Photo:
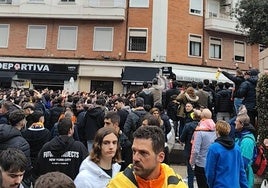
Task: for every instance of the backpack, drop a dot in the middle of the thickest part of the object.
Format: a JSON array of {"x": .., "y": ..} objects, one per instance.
[{"x": 259, "y": 161}]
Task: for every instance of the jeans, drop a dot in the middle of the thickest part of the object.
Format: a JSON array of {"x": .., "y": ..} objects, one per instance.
[
  {"x": 89, "y": 145},
  {"x": 237, "y": 104},
  {"x": 223, "y": 116},
  {"x": 190, "y": 174}
]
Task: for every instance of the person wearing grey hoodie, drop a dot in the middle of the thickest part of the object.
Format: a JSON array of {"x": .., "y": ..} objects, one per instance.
[
  {"x": 204, "y": 135},
  {"x": 158, "y": 85}
]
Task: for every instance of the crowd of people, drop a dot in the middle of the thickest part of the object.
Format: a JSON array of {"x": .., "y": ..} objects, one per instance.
[{"x": 124, "y": 140}]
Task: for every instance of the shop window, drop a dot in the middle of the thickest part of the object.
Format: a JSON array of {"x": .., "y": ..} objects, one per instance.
[
  {"x": 239, "y": 51},
  {"x": 195, "y": 45},
  {"x": 101, "y": 86},
  {"x": 139, "y": 3},
  {"x": 137, "y": 41},
  {"x": 67, "y": 38},
  {"x": 36, "y": 38},
  {"x": 196, "y": 7},
  {"x": 215, "y": 48},
  {"x": 4, "y": 33},
  {"x": 103, "y": 39}
]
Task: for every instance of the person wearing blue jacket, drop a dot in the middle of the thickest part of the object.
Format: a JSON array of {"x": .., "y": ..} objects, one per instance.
[
  {"x": 224, "y": 166},
  {"x": 246, "y": 141}
]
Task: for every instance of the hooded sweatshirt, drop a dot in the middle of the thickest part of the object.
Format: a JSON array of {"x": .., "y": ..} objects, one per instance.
[
  {"x": 225, "y": 164},
  {"x": 62, "y": 154},
  {"x": 92, "y": 176},
  {"x": 93, "y": 121}
]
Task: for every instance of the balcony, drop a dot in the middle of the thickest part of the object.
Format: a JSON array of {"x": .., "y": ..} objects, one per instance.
[
  {"x": 64, "y": 9},
  {"x": 221, "y": 23}
]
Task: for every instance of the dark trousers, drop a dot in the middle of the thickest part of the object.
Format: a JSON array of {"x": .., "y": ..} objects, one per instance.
[
  {"x": 190, "y": 174},
  {"x": 200, "y": 177}
]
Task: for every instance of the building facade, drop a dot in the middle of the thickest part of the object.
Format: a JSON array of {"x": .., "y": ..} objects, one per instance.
[{"x": 115, "y": 45}]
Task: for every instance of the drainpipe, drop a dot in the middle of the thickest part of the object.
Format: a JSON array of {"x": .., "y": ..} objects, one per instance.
[
  {"x": 126, "y": 36},
  {"x": 204, "y": 62}
]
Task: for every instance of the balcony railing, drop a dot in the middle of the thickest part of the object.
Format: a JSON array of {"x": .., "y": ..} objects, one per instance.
[
  {"x": 224, "y": 23},
  {"x": 74, "y": 9},
  {"x": 107, "y": 3}
]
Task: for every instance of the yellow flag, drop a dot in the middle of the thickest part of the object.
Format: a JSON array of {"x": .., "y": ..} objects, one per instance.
[{"x": 217, "y": 75}]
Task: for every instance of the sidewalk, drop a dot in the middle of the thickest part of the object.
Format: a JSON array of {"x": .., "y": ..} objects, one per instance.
[{"x": 182, "y": 170}]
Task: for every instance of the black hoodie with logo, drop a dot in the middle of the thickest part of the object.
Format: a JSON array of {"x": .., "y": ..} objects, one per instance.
[{"x": 62, "y": 154}]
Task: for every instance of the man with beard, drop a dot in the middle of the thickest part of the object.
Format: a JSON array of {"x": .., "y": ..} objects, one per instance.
[{"x": 147, "y": 169}]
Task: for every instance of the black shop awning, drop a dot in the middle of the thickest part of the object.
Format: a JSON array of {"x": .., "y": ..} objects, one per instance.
[
  {"x": 137, "y": 75},
  {"x": 6, "y": 76},
  {"x": 46, "y": 76}
]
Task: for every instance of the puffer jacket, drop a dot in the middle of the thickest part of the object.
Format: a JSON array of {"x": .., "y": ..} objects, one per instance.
[
  {"x": 10, "y": 137},
  {"x": 247, "y": 90},
  {"x": 223, "y": 102},
  {"x": 238, "y": 80}
]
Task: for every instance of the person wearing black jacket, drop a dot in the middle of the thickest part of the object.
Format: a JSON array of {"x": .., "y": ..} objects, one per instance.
[
  {"x": 62, "y": 153},
  {"x": 238, "y": 79},
  {"x": 112, "y": 119},
  {"x": 186, "y": 138},
  {"x": 55, "y": 112},
  {"x": 223, "y": 103},
  {"x": 93, "y": 121},
  {"x": 247, "y": 91},
  {"x": 10, "y": 137}
]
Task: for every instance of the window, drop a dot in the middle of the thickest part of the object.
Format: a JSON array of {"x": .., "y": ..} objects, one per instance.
[
  {"x": 213, "y": 8},
  {"x": 36, "y": 38},
  {"x": 239, "y": 51},
  {"x": 139, "y": 3},
  {"x": 195, "y": 45},
  {"x": 4, "y": 33},
  {"x": 100, "y": 86},
  {"x": 196, "y": 7},
  {"x": 67, "y": 37},
  {"x": 137, "y": 40},
  {"x": 215, "y": 48},
  {"x": 5, "y": 1},
  {"x": 103, "y": 39}
]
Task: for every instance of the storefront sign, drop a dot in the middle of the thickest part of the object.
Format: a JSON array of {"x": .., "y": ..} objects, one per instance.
[{"x": 38, "y": 67}]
